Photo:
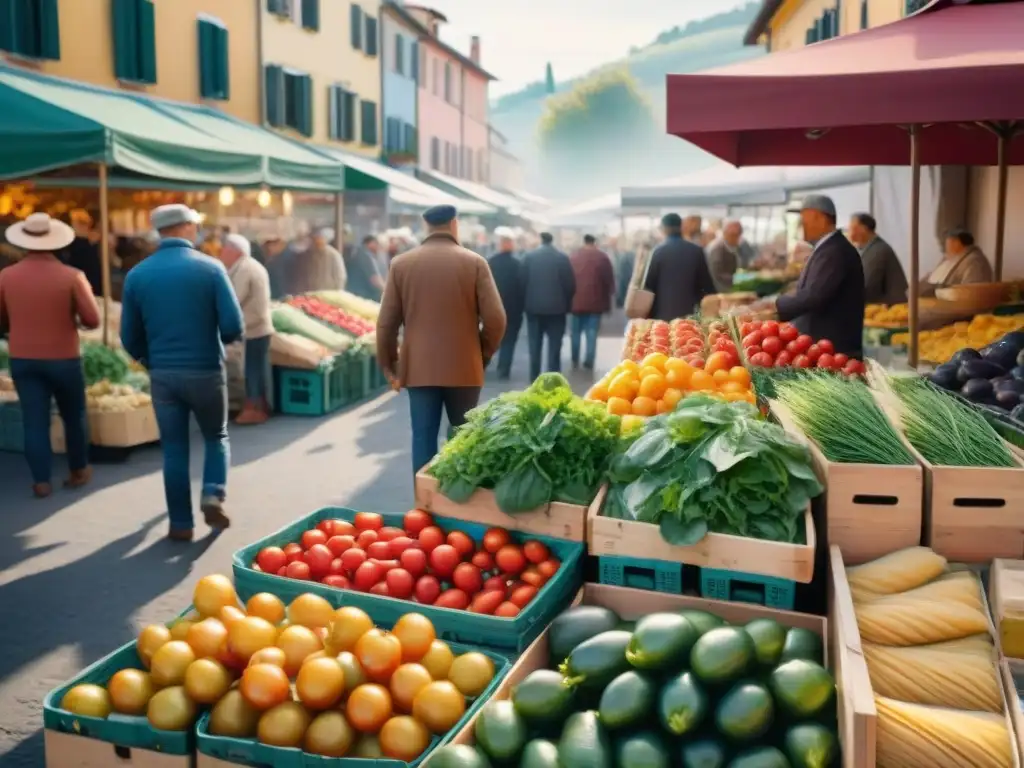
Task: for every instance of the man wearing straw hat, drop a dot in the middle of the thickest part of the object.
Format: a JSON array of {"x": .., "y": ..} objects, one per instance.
[{"x": 178, "y": 312}]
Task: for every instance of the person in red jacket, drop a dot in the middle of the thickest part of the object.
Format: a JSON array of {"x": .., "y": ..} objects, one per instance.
[{"x": 595, "y": 286}]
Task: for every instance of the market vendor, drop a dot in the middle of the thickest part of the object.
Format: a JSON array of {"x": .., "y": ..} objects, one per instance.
[
  {"x": 964, "y": 263},
  {"x": 828, "y": 302}
]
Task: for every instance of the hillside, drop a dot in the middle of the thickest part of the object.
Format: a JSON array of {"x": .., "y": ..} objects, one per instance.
[{"x": 712, "y": 42}]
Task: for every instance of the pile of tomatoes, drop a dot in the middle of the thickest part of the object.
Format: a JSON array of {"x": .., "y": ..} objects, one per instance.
[
  {"x": 305, "y": 676},
  {"x": 770, "y": 344},
  {"x": 418, "y": 561}
]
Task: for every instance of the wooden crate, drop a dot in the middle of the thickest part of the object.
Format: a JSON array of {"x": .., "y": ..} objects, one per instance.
[
  {"x": 1006, "y": 596},
  {"x": 858, "y": 716},
  {"x": 65, "y": 750},
  {"x": 633, "y": 604},
  {"x": 123, "y": 429},
  {"x": 1007, "y": 669},
  {"x": 557, "y": 519},
  {"x": 625, "y": 538},
  {"x": 870, "y": 509}
]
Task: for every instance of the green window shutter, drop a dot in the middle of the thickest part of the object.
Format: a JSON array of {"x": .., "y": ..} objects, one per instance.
[
  {"x": 274, "y": 95},
  {"x": 49, "y": 30},
  {"x": 147, "y": 41},
  {"x": 863, "y": 14},
  {"x": 414, "y": 61},
  {"x": 371, "y": 36},
  {"x": 207, "y": 54},
  {"x": 223, "y": 61},
  {"x": 7, "y": 25},
  {"x": 349, "y": 101},
  {"x": 277, "y": 7},
  {"x": 125, "y": 22},
  {"x": 356, "y": 24},
  {"x": 306, "y": 105},
  {"x": 369, "y": 126},
  {"x": 311, "y": 15}
]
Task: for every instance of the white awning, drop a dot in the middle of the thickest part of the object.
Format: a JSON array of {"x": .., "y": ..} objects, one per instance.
[{"x": 476, "y": 191}]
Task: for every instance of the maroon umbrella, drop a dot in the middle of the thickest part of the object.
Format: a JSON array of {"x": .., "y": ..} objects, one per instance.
[{"x": 939, "y": 87}]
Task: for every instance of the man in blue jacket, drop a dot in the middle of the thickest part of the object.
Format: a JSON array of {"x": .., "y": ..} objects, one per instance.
[{"x": 178, "y": 311}]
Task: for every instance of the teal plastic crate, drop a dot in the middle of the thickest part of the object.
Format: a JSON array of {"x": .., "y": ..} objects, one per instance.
[
  {"x": 654, "y": 575},
  {"x": 251, "y": 753},
  {"x": 738, "y": 587},
  {"x": 357, "y": 375},
  {"x": 504, "y": 634},
  {"x": 121, "y": 731},
  {"x": 311, "y": 393}
]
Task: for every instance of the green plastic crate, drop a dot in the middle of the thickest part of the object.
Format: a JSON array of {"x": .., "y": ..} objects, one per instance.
[
  {"x": 653, "y": 575},
  {"x": 311, "y": 393},
  {"x": 251, "y": 753},
  {"x": 504, "y": 634},
  {"x": 732, "y": 586},
  {"x": 132, "y": 732}
]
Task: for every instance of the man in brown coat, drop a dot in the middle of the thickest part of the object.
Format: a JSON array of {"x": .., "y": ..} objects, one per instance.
[
  {"x": 595, "y": 284},
  {"x": 444, "y": 298}
]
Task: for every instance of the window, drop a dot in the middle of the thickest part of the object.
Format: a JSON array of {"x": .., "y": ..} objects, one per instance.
[
  {"x": 371, "y": 36},
  {"x": 399, "y": 53},
  {"x": 30, "y": 28},
  {"x": 392, "y": 135},
  {"x": 913, "y": 6},
  {"x": 438, "y": 77},
  {"x": 356, "y": 25},
  {"x": 414, "y": 61},
  {"x": 825, "y": 28},
  {"x": 281, "y": 8},
  {"x": 134, "y": 41},
  {"x": 310, "y": 15},
  {"x": 424, "y": 69},
  {"x": 435, "y": 154},
  {"x": 864, "y": 14},
  {"x": 448, "y": 82},
  {"x": 369, "y": 123},
  {"x": 410, "y": 140},
  {"x": 289, "y": 102},
  {"x": 341, "y": 114},
  {"x": 214, "y": 79}
]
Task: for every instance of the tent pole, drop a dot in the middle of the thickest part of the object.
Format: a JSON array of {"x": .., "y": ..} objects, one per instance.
[
  {"x": 105, "y": 250},
  {"x": 339, "y": 222},
  {"x": 915, "y": 237},
  {"x": 1003, "y": 162}
]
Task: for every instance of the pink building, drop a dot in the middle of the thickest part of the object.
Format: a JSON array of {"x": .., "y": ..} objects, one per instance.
[{"x": 452, "y": 107}]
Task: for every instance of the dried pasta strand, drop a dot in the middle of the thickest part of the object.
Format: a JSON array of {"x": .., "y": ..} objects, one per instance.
[
  {"x": 960, "y": 587},
  {"x": 919, "y": 736},
  {"x": 895, "y": 572},
  {"x": 899, "y": 620}
]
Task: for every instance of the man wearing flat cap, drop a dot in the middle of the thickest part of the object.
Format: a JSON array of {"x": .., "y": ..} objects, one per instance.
[
  {"x": 678, "y": 273},
  {"x": 178, "y": 312},
  {"x": 829, "y": 299},
  {"x": 443, "y": 298}
]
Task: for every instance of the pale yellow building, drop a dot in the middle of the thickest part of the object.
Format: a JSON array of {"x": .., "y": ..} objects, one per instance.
[
  {"x": 322, "y": 71},
  {"x": 783, "y": 25},
  {"x": 199, "y": 51}
]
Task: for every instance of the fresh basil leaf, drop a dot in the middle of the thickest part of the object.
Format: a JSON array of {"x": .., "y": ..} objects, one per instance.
[{"x": 682, "y": 534}]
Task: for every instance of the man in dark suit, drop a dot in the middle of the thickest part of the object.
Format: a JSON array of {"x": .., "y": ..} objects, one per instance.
[
  {"x": 678, "y": 274},
  {"x": 508, "y": 276},
  {"x": 884, "y": 280},
  {"x": 829, "y": 299},
  {"x": 550, "y": 286}
]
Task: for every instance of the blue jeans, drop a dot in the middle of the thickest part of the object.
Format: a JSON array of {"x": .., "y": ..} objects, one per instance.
[
  {"x": 425, "y": 406},
  {"x": 257, "y": 368},
  {"x": 38, "y": 382},
  {"x": 176, "y": 396},
  {"x": 539, "y": 327},
  {"x": 507, "y": 350},
  {"x": 585, "y": 326}
]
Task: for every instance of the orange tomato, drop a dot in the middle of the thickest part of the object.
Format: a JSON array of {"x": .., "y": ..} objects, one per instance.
[
  {"x": 619, "y": 406},
  {"x": 266, "y": 606},
  {"x": 439, "y": 706},
  {"x": 407, "y": 681},
  {"x": 733, "y": 387},
  {"x": 701, "y": 381},
  {"x": 628, "y": 365},
  {"x": 320, "y": 683},
  {"x": 676, "y": 364},
  {"x": 717, "y": 361},
  {"x": 740, "y": 374},
  {"x": 415, "y": 632},
  {"x": 404, "y": 738},
  {"x": 265, "y": 685},
  {"x": 648, "y": 370},
  {"x": 655, "y": 360},
  {"x": 229, "y": 614},
  {"x": 368, "y": 707},
  {"x": 645, "y": 406},
  {"x": 672, "y": 397},
  {"x": 653, "y": 386},
  {"x": 734, "y": 397},
  {"x": 379, "y": 653},
  {"x": 720, "y": 376},
  {"x": 663, "y": 407},
  {"x": 598, "y": 392},
  {"x": 622, "y": 386},
  {"x": 679, "y": 378}
]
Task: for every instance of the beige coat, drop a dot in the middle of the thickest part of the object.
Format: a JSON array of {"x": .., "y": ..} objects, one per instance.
[
  {"x": 252, "y": 287},
  {"x": 445, "y": 299}
]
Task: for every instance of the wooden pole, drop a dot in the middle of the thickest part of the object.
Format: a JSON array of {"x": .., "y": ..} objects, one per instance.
[
  {"x": 1003, "y": 162},
  {"x": 915, "y": 243},
  {"x": 105, "y": 250},
  {"x": 339, "y": 221}
]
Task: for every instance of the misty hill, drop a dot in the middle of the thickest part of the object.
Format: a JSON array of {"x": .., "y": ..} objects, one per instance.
[{"x": 711, "y": 42}]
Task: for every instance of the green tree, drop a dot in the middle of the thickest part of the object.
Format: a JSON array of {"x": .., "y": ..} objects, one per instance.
[
  {"x": 549, "y": 80},
  {"x": 594, "y": 133}
]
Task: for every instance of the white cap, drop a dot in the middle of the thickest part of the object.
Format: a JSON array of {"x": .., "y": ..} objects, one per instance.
[
  {"x": 239, "y": 243},
  {"x": 504, "y": 233}
]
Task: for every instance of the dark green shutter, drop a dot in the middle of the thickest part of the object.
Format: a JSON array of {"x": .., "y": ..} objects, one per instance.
[
  {"x": 147, "y": 42},
  {"x": 414, "y": 58},
  {"x": 26, "y": 28},
  {"x": 369, "y": 127},
  {"x": 273, "y": 94},
  {"x": 49, "y": 30},
  {"x": 277, "y": 7},
  {"x": 371, "y": 36},
  {"x": 223, "y": 61},
  {"x": 863, "y": 14},
  {"x": 207, "y": 53},
  {"x": 7, "y": 19},
  {"x": 311, "y": 14},
  {"x": 125, "y": 21},
  {"x": 305, "y": 90},
  {"x": 356, "y": 24}
]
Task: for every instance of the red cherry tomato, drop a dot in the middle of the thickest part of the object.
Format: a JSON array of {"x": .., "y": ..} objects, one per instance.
[
  {"x": 826, "y": 347},
  {"x": 507, "y": 610},
  {"x": 380, "y": 550},
  {"x": 352, "y": 559},
  {"x": 463, "y": 544},
  {"x": 535, "y": 551},
  {"x": 327, "y": 526},
  {"x": 801, "y": 361},
  {"x": 522, "y": 595},
  {"x": 271, "y": 559},
  {"x": 389, "y": 532},
  {"x": 318, "y": 558},
  {"x": 813, "y": 353},
  {"x": 380, "y": 588},
  {"x": 510, "y": 560},
  {"x": 803, "y": 342},
  {"x": 772, "y": 346},
  {"x": 794, "y": 349},
  {"x": 496, "y": 583},
  {"x": 387, "y": 565},
  {"x": 342, "y": 528},
  {"x": 487, "y": 602},
  {"x": 549, "y": 568},
  {"x": 366, "y": 538},
  {"x": 400, "y": 583},
  {"x": 751, "y": 351},
  {"x": 414, "y": 561},
  {"x": 297, "y": 570},
  {"x": 842, "y": 360},
  {"x": 282, "y": 571},
  {"x": 468, "y": 578},
  {"x": 430, "y": 538},
  {"x": 532, "y": 577},
  {"x": 482, "y": 560},
  {"x": 762, "y": 360},
  {"x": 313, "y": 536},
  {"x": 746, "y": 329},
  {"x": 752, "y": 339},
  {"x": 293, "y": 551},
  {"x": 338, "y": 544},
  {"x": 443, "y": 560},
  {"x": 367, "y": 575},
  {"x": 427, "y": 590},
  {"x": 495, "y": 539},
  {"x": 827, "y": 361},
  {"x": 769, "y": 328},
  {"x": 453, "y": 598},
  {"x": 337, "y": 567},
  {"x": 368, "y": 521},
  {"x": 399, "y": 544},
  {"x": 788, "y": 332},
  {"x": 853, "y": 368},
  {"x": 783, "y": 359},
  {"x": 416, "y": 520},
  {"x": 337, "y": 581}
]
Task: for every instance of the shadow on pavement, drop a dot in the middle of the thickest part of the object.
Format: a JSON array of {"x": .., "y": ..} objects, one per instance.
[{"x": 28, "y": 752}]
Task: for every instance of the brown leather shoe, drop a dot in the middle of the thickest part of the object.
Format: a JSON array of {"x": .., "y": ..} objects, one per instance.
[
  {"x": 251, "y": 414},
  {"x": 180, "y": 534},
  {"x": 78, "y": 478},
  {"x": 42, "y": 490},
  {"x": 213, "y": 513}
]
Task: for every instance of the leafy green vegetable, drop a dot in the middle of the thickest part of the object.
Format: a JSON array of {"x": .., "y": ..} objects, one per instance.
[
  {"x": 711, "y": 466},
  {"x": 100, "y": 362},
  {"x": 531, "y": 448}
]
